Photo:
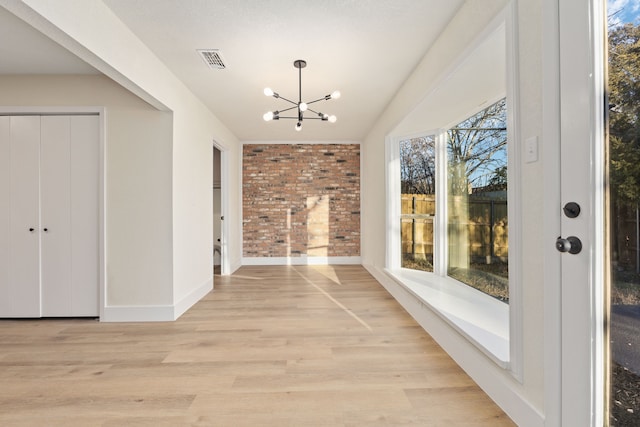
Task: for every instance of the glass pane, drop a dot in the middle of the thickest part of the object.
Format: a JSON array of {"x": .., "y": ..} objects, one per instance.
[
  {"x": 624, "y": 167},
  {"x": 418, "y": 188},
  {"x": 477, "y": 201}
]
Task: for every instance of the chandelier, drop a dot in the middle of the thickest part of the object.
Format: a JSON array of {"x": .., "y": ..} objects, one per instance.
[{"x": 300, "y": 107}]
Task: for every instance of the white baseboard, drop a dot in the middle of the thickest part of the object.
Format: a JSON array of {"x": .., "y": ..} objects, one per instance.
[
  {"x": 192, "y": 297},
  {"x": 234, "y": 265},
  {"x": 156, "y": 313},
  {"x": 345, "y": 260},
  {"x": 498, "y": 383},
  {"x": 140, "y": 313}
]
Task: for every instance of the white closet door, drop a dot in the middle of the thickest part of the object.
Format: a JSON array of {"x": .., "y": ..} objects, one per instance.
[
  {"x": 85, "y": 131},
  {"x": 55, "y": 199},
  {"x": 19, "y": 225},
  {"x": 69, "y": 215}
]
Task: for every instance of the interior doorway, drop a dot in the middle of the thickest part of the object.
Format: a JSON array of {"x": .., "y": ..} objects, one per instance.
[{"x": 217, "y": 211}]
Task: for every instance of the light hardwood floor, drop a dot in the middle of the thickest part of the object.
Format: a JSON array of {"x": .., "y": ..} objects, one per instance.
[{"x": 270, "y": 346}]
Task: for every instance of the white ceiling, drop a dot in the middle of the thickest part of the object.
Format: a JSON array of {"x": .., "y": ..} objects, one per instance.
[{"x": 364, "y": 48}]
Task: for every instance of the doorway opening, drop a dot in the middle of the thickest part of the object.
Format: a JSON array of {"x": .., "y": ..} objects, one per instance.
[{"x": 220, "y": 206}]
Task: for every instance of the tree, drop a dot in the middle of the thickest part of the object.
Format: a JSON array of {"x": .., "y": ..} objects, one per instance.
[
  {"x": 477, "y": 155},
  {"x": 477, "y": 149},
  {"x": 418, "y": 167},
  {"x": 624, "y": 112}
]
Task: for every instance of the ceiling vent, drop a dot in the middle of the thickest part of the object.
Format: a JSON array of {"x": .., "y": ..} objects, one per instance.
[{"x": 212, "y": 58}]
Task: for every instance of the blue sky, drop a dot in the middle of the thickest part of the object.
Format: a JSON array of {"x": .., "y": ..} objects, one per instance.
[{"x": 623, "y": 11}]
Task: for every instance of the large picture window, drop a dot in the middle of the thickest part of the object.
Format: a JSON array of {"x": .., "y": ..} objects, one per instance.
[
  {"x": 453, "y": 229},
  {"x": 476, "y": 199},
  {"x": 477, "y": 221}
]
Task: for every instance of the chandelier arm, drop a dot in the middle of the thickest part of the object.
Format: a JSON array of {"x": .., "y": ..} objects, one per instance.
[
  {"x": 314, "y": 111},
  {"x": 324, "y": 98},
  {"x": 288, "y": 100},
  {"x": 287, "y": 117},
  {"x": 287, "y": 109}
]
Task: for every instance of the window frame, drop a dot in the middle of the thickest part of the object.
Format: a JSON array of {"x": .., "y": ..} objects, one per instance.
[{"x": 437, "y": 291}]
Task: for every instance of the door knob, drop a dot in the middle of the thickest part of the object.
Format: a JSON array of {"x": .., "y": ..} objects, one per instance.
[
  {"x": 31, "y": 229},
  {"x": 571, "y": 209},
  {"x": 571, "y": 244},
  {"x": 45, "y": 229}
]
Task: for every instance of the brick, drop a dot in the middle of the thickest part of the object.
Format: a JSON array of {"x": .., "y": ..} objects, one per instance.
[{"x": 300, "y": 193}]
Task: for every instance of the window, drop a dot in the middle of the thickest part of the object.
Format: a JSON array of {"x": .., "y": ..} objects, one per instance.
[
  {"x": 418, "y": 201},
  {"x": 477, "y": 224},
  {"x": 453, "y": 200},
  {"x": 477, "y": 219}
]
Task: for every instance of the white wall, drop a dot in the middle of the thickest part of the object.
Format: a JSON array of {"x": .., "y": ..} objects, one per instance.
[
  {"x": 138, "y": 151},
  {"x": 92, "y": 32},
  {"x": 523, "y": 401}
]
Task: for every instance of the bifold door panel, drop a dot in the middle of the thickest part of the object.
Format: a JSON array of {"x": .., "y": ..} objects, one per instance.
[{"x": 49, "y": 185}]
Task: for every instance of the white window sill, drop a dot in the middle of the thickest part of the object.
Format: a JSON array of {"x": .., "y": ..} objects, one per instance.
[{"x": 482, "y": 319}]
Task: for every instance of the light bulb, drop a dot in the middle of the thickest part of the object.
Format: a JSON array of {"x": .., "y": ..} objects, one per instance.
[
  {"x": 268, "y": 91},
  {"x": 302, "y": 106},
  {"x": 335, "y": 94},
  {"x": 268, "y": 116},
  {"x": 299, "y": 127},
  {"x": 332, "y": 119}
]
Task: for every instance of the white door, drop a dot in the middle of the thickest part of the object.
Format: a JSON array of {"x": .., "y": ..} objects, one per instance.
[
  {"x": 19, "y": 221},
  {"x": 69, "y": 215},
  {"x": 582, "y": 160},
  {"x": 49, "y": 216}
]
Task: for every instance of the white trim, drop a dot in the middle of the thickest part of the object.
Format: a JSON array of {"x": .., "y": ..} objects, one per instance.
[
  {"x": 550, "y": 156},
  {"x": 480, "y": 318},
  {"x": 102, "y": 179},
  {"x": 180, "y": 307},
  {"x": 50, "y": 111},
  {"x": 499, "y": 385},
  {"x": 598, "y": 184},
  {"x": 150, "y": 313},
  {"x": 392, "y": 182},
  {"x": 224, "y": 208},
  {"x": 156, "y": 313},
  {"x": 514, "y": 194},
  {"x": 344, "y": 260},
  {"x": 441, "y": 223},
  {"x": 235, "y": 266}
]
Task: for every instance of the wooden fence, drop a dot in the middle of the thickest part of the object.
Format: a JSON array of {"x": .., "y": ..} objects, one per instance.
[{"x": 487, "y": 226}]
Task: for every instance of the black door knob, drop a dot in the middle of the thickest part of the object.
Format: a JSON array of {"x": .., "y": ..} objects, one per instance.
[
  {"x": 571, "y": 244},
  {"x": 571, "y": 209},
  {"x": 31, "y": 229}
]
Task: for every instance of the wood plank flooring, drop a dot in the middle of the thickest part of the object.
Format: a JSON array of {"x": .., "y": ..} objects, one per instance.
[{"x": 270, "y": 346}]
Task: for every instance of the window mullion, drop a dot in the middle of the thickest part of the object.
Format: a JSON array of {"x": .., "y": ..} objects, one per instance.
[{"x": 440, "y": 227}]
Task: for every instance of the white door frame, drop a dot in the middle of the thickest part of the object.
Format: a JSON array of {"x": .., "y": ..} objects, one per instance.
[
  {"x": 575, "y": 362},
  {"x": 224, "y": 208},
  {"x": 100, "y": 111}
]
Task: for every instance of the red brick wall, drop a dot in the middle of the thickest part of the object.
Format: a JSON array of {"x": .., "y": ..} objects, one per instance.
[{"x": 301, "y": 200}]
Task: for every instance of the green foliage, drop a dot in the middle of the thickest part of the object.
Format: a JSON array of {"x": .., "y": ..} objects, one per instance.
[
  {"x": 624, "y": 112},
  {"x": 499, "y": 179}
]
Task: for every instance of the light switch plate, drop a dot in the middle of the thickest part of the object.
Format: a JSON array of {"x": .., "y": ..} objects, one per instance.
[{"x": 531, "y": 150}]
